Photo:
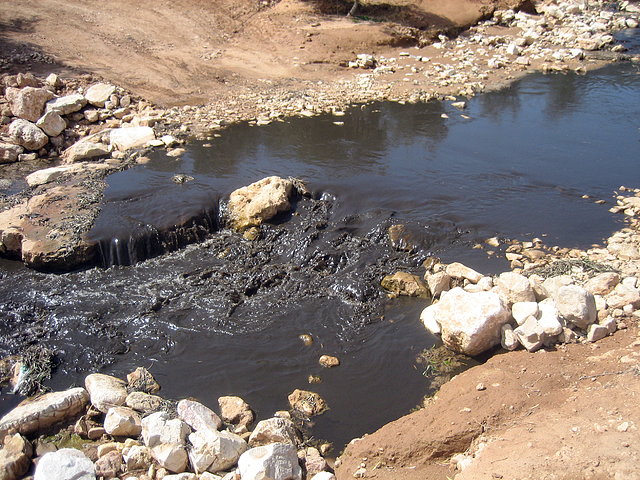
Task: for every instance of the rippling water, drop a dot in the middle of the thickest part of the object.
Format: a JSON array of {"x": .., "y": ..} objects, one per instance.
[{"x": 223, "y": 316}]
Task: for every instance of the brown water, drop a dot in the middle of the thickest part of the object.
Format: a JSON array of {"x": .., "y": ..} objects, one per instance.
[{"x": 222, "y": 315}]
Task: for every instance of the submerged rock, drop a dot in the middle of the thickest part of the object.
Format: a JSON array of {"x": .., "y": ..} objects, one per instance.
[
  {"x": 252, "y": 205},
  {"x": 309, "y": 403},
  {"x": 402, "y": 283}
]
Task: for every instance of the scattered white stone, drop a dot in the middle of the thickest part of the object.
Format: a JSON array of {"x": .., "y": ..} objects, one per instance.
[
  {"x": 277, "y": 461},
  {"x": 508, "y": 338},
  {"x": 596, "y": 332},
  {"x": 65, "y": 464},
  {"x": 576, "y": 305},
  {"x": 98, "y": 94},
  {"x": 122, "y": 421},
  {"x": 105, "y": 391},
  {"x": 470, "y": 322},
  {"x": 126, "y": 138},
  {"x": 198, "y": 416}
]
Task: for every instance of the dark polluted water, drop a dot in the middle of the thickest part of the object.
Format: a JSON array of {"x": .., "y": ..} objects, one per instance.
[{"x": 223, "y": 315}]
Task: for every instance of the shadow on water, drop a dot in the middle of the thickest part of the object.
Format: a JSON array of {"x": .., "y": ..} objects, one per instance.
[{"x": 223, "y": 315}]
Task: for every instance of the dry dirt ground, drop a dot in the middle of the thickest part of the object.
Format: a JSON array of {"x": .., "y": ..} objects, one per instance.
[
  {"x": 191, "y": 52},
  {"x": 571, "y": 413}
]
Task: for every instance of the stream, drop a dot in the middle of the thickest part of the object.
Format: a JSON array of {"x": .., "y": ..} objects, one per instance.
[{"x": 223, "y": 315}]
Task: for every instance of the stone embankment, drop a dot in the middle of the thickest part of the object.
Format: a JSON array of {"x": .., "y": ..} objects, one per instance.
[{"x": 117, "y": 429}]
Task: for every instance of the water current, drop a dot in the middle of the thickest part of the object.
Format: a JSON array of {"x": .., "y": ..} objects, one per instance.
[{"x": 223, "y": 315}]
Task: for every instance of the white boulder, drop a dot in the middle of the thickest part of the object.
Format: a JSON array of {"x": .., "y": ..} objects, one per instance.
[
  {"x": 215, "y": 451},
  {"x": 576, "y": 305},
  {"x": 122, "y": 422},
  {"x": 171, "y": 456},
  {"x": 67, "y": 104},
  {"x": 278, "y": 461},
  {"x": 513, "y": 288},
  {"x": 274, "y": 430},
  {"x": 603, "y": 283},
  {"x": 46, "y": 175},
  {"x": 458, "y": 270},
  {"x": 198, "y": 416},
  {"x": 158, "y": 428},
  {"x": 65, "y": 464},
  {"x": 131, "y": 137},
  {"x": 105, "y": 391},
  {"x": 470, "y": 322},
  {"x": 530, "y": 334},
  {"x": 52, "y": 124},
  {"x": 28, "y": 103},
  {"x": 438, "y": 283},
  {"x": 523, "y": 310},
  {"x": 27, "y": 135},
  {"x": 250, "y": 206},
  {"x": 98, "y": 94}
]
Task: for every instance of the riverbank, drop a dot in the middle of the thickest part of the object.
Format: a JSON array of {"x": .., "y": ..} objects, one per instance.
[{"x": 273, "y": 105}]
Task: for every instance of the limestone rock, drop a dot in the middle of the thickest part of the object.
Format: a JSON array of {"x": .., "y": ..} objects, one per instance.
[
  {"x": 108, "y": 466},
  {"x": 458, "y": 270},
  {"x": 67, "y": 104},
  {"x": 9, "y": 152},
  {"x": 198, "y": 416},
  {"x": 65, "y": 464},
  {"x": 549, "y": 318},
  {"x": 52, "y": 124},
  {"x": 313, "y": 462},
  {"x": 523, "y": 310},
  {"x": 190, "y": 476},
  {"x": 105, "y": 391},
  {"x": 603, "y": 283},
  {"x": 141, "y": 380},
  {"x": 402, "y": 239},
  {"x": 99, "y": 93},
  {"x": 171, "y": 456},
  {"x": 54, "y": 81},
  {"x": 236, "y": 411},
  {"x": 158, "y": 428},
  {"x": 252, "y": 205},
  {"x": 85, "y": 150},
  {"x": 137, "y": 457},
  {"x": 215, "y": 451},
  {"x": 438, "y": 282},
  {"x": 470, "y": 322},
  {"x": 28, "y": 103},
  {"x": 514, "y": 288},
  {"x": 402, "y": 283},
  {"x": 576, "y": 305},
  {"x": 623, "y": 295},
  {"x": 131, "y": 137},
  {"x": 46, "y": 175},
  {"x": 508, "y": 339},
  {"x": 144, "y": 402},
  {"x": 15, "y": 457},
  {"x": 553, "y": 284},
  {"x": 277, "y": 461},
  {"x": 324, "y": 476},
  {"x": 596, "y": 332},
  {"x": 122, "y": 422},
  {"x": 274, "y": 430},
  {"x": 428, "y": 319},
  {"x": 38, "y": 414},
  {"x": 27, "y": 135},
  {"x": 530, "y": 334},
  {"x": 309, "y": 403}
]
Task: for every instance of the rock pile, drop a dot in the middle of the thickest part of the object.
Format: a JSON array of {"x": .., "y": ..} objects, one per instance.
[
  {"x": 122, "y": 430},
  {"x": 477, "y": 312}
]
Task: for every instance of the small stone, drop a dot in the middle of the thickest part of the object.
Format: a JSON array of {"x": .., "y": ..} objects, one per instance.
[
  {"x": 137, "y": 457},
  {"x": 603, "y": 283},
  {"x": 576, "y": 305},
  {"x": 273, "y": 462},
  {"x": 108, "y": 466},
  {"x": 131, "y": 137},
  {"x": 158, "y": 428},
  {"x": 122, "y": 421},
  {"x": 52, "y": 124},
  {"x": 508, "y": 339},
  {"x": 40, "y": 177},
  {"x": 236, "y": 411},
  {"x": 9, "y": 152},
  {"x": 329, "y": 361},
  {"x": 458, "y": 270},
  {"x": 171, "y": 456},
  {"x": 402, "y": 283},
  {"x": 99, "y": 94},
  {"x": 513, "y": 288},
  {"x": 144, "y": 402},
  {"x": 596, "y": 332},
  {"x": 66, "y": 105},
  {"x": 530, "y": 334},
  {"x": 198, "y": 416},
  {"x": 141, "y": 380},
  {"x": 274, "y": 430},
  {"x": 105, "y": 391},
  {"x": 438, "y": 282},
  {"x": 480, "y": 387},
  {"x": 523, "y": 310}
]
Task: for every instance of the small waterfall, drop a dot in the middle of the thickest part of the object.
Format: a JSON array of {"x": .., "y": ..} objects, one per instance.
[{"x": 146, "y": 241}]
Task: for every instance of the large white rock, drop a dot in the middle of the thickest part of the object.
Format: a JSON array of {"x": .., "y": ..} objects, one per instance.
[
  {"x": 198, "y": 416},
  {"x": 458, "y": 270},
  {"x": 131, "y": 137},
  {"x": 576, "y": 305},
  {"x": 553, "y": 284},
  {"x": 65, "y": 464},
  {"x": 122, "y": 421},
  {"x": 549, "y": 318},
  {"x": 46, "y": 175},
  {"x": 277, "y": 461},
  {"x": 603, "y": 283},
  {"x": 471, "y": 322},
  {"x": 324, "y": 476},
  {"x": 27, "y": 134},
  {"x": 44, "y": 411},
  {"x": 67, "y": 104},
  {"x": 99, "y": 93},
  {"x": 274, "y": 430},
  {"x": 85, "y": 150},
  {"x": 623, "y": 295},
  {"x": 523, "y": 310},
  {"x": 250, "y": 206},
  {"x": 514, "y": 288},
  {"x": 215, "y": 451},
  {"x": 158, "y": 428},
  {"x": 105, "y": 391},
  {"x": 52, "y": 124},
  {"x": 171, "y": 456},
  {"x": 428, "y": 319},
  {"x": 530, "y": 334},
  {"x": 438, "y": 282},
  {"x": 28, "y": 103}
]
